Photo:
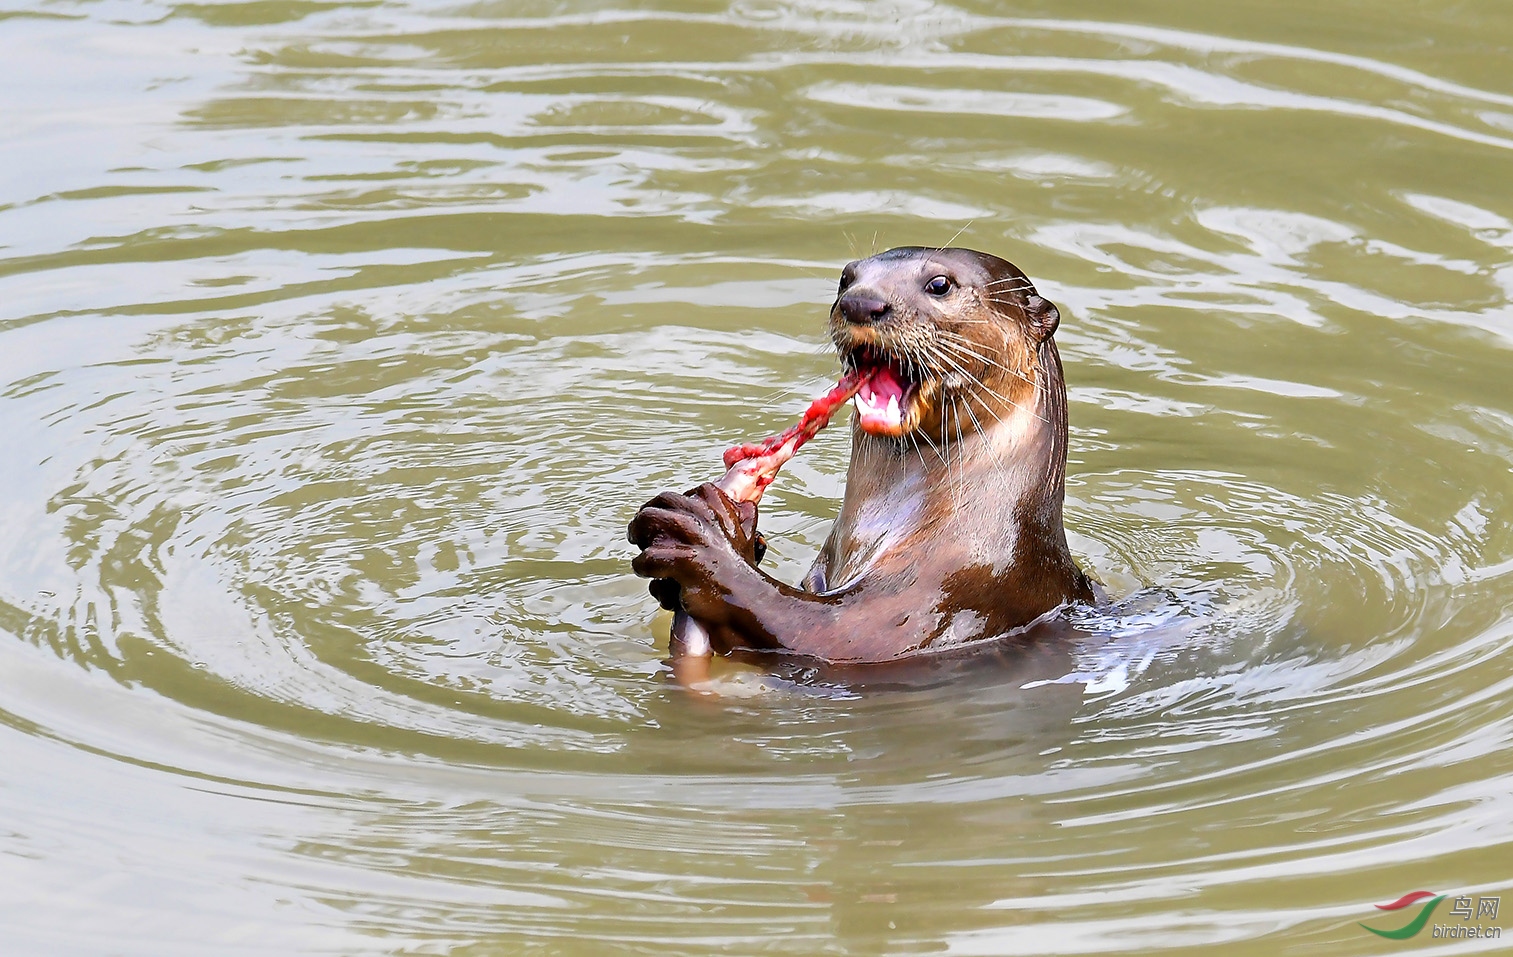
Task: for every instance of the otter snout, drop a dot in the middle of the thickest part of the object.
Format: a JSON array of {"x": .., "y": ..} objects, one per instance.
[{"x": 863, "y": 310}]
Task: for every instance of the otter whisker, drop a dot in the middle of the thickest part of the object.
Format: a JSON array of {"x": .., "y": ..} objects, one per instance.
[
  {"x": 913, "y": 356},
  {"x": 959, "y": 491},
  {"x": 946, "y": 358},
  {"x": 979, "y": 384},
  {"x": 1008, "y": 280},
  {"x": 955, "y": 337},
  {"x": 1003, "y": 467},
  {"x": 945, "y": 417},
  {"x": 1006, "y": 286},
  {"x": 788, "y": 392},
  {"x": 963, "y": 354},
  {"x": 962, "y": 346},
  {"x": 919, "y": 451},
  {"x": 916, "y": 355},
  {"x": 996, "y": 417},
  {"x": 961, "y": 450},
  {"x": 953, "y": 239},
  {"x": 947, "y": 449}
]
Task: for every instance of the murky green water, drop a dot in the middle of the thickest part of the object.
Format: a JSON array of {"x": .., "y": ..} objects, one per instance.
[{"x": 338, "y": 341}]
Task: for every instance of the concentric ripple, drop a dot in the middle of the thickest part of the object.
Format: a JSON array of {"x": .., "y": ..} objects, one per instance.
[{"x": 340, "y": 341}]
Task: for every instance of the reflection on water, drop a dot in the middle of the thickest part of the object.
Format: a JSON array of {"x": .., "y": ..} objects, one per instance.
[{"x": 341, "y": 341}]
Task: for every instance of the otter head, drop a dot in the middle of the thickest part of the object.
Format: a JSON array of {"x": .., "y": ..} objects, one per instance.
[{"x": 948, "y": 340}]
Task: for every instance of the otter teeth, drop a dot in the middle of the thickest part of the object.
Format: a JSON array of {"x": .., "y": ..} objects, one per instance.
[{"x": 876, "y": 411}]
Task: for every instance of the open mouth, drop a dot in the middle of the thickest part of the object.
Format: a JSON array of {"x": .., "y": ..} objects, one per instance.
[{"x": 884, "y": 400}]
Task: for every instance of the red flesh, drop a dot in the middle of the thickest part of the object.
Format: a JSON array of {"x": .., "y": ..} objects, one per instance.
[{"x": 753, "y": 466}]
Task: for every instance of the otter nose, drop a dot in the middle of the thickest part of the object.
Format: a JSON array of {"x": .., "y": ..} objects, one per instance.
[{"x": 863, "y": 310}]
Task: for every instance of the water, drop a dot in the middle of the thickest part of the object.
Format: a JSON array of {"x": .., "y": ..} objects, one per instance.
[{"x": 340, "y": 341}]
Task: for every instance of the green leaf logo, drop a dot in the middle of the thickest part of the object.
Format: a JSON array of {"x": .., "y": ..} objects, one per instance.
[{"x": 1416, "y": 924}]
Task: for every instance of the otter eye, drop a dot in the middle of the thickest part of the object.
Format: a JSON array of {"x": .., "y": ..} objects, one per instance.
[
  {"x": 938, "y": 286},
  {"x": 848, "y": 276}
]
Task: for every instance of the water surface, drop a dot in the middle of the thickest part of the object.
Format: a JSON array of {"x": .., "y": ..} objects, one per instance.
[{"x": 340, "y": 340}]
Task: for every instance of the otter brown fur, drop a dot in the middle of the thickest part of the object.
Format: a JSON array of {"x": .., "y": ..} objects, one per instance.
[{"x": 951, "y": 528}]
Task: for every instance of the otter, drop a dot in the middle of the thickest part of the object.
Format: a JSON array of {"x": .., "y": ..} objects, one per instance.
[{"x": 951, "y": 526}]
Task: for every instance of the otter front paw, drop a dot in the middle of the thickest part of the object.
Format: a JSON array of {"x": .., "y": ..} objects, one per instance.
[{"x": 689, "y": 542}]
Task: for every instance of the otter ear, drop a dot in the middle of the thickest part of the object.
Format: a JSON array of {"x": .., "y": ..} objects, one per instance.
[{"x": 1042, "y": 315}]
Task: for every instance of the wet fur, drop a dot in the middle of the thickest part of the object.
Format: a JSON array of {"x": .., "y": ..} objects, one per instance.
[{"x": 950, "y": 530}]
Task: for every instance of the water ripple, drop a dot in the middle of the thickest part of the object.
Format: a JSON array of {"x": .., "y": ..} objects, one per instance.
[{"x": 342, "y": 341}]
